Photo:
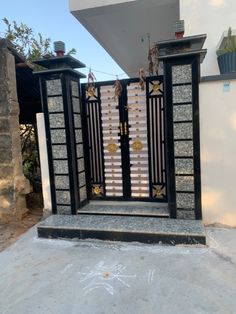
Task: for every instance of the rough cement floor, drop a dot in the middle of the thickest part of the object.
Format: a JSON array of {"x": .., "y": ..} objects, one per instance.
[{"x": 39, "y": 276}]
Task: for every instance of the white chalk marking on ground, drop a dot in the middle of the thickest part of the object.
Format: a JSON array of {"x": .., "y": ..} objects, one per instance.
[
  {"x": 103, "y": 276},
  {"x": 68, "y": 266},
  {"x": 213, "y": 244},
  {"x": 93, "y": 286},
  {"x": 151, "y": 273}
]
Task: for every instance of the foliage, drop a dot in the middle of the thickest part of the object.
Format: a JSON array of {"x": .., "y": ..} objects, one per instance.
[
  {"x": 230, "y": 44},
  {"x": 32, "y": 47},
  {"x": 30, "y": 156},
  {"x": 27, "y": 43}
]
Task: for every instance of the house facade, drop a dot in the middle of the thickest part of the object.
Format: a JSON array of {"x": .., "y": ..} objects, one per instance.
[
  {"x": 217, "y": 110},
  {"x": 125, "y": 27}
]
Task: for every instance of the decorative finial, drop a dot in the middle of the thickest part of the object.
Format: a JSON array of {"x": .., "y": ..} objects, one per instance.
[
  {"x": 179, "y": 29},
  {"x": 59, "y": 48}
]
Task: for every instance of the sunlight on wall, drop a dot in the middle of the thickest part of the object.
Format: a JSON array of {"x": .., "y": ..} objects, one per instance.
[
  {"x": 217, "y": 3},
  {"x": 233, "y": 121},
  {"x": 44, "y": 162},
  {"x": 211, "y": 17},
  {"x": 218, "y": 152}
]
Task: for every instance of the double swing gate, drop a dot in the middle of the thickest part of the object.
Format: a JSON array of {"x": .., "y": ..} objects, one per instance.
[{"x": 125, "y": 140}]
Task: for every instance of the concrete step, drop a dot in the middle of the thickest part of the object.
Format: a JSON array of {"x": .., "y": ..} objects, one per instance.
[
  {"x": 126, "y": 209},
  {"x": 123, "y": 228}
]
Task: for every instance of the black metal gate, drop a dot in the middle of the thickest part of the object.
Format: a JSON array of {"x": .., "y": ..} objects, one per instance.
[{"x": 125, "y": 140}]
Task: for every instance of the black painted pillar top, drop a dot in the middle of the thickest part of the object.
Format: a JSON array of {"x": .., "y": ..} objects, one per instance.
[
  {"x": 181, "y": 60},
  {"x": 60, "y": 96}
]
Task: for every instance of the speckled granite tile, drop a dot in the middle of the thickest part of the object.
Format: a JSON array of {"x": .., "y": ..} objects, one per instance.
[
  {"x": 59, "y": 151},
  {"x": 76, "y": 105},
  {"x": 79, "y": 150},
  {"x": 83, "y": 193},
  {"x": 62, "y": 182},
  {"x": 182, "y": 113},
  {"x": 63, "y": 197},
  {"x": 124, "y": 223},
  {"x": 56, "y": 120},
  {"x": 183, "y": 148},
  {"x": 77, "y": 120},
  {"x": 186, "y": 214},
  {"x": 183, "y": 166},
  {"x": 55, "y": 104},
  {"x": 140, "y": 210},
  {"x": 182, "y": 94},
  {"x": 184, "y": 183},
  {"x": 63, "y": 210},
  {"x": 185, "y": 200},
  {"x": 74, "y": 88},
  {"x": 58, "y": 136},
  {"x": 183, "y": 131},
  {"x": 78, "y": 136},
  {"x": 60, "y": 166},
  {"x": 181, "y": 74},
  {"x": 54, "y": 87}
]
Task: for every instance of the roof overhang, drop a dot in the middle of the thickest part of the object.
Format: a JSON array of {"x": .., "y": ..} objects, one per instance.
[{"x": 122, "y": 27}]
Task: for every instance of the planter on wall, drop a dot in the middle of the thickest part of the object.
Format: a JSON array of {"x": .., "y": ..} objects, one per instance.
[{"x": 227, "y": 62}]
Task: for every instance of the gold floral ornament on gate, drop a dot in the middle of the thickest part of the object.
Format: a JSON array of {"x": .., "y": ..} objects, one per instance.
[
  {"x": 97, "y": 190},
  {"x": 137, "y": 146},
  {"x": 156, "y": 87},
  {"x": 112, "y": 147}
]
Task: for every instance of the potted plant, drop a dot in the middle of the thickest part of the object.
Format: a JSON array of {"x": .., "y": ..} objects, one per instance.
[{"x": 226, "y": 55}]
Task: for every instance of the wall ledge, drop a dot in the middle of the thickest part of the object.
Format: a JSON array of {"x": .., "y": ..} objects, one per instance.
[{"x": 220, "y": 77}]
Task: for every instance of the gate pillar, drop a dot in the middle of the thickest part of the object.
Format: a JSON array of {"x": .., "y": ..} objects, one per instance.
[
  {"x": 60, "y": 96},
  {"x": 181, "y": 60}
]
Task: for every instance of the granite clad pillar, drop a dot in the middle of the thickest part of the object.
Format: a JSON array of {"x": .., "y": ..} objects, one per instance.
[
  {"x": 60, "y": 96},
  {"x": 181, "y": 59}
]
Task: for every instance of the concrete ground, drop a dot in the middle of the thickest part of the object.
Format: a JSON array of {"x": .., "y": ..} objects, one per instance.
[{"x": 39, "y": 276}]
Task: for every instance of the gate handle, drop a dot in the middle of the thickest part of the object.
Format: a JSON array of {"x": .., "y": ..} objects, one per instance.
[
  {"x": 125, "y": 126},
  {"x": 121, "y": 129}
]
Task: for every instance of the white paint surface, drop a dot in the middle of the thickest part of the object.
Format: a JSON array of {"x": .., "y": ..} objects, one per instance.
[
  {"x": 218, "y": 152},
  {"x": 211, "y": 17},
  {"x": 85, "y": 4},
  {"x": 44, "y": 161},
  {"x": 122, "y": 28}
]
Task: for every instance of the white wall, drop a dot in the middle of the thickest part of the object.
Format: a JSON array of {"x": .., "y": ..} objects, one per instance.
[
  {"x": 44, "y": 161},
  {"x": 85, "y": 4},
  {"x": 212, "y": 17},
  {"x": 218, "y": 152}
]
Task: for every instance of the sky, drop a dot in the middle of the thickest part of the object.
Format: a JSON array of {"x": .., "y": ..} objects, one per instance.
[{"x": 53, "y": 19}]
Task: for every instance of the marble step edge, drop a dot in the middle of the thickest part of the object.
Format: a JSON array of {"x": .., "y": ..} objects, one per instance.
[
  {"x": 118, "y": 213},
  {"x": 115, "y": 234}
]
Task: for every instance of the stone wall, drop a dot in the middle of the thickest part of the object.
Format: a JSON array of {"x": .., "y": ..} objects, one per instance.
[{"x": 13, "y": 185}]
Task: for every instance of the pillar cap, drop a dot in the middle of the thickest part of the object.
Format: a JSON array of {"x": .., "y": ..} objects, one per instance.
[
  {"x": 61, "y": 62},
  {"x": 186, "y": 46}
]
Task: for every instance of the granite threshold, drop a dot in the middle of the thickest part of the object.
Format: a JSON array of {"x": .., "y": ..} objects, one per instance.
[
  {"x": 123, "y": 228},
  {"x": 126, "y": 209}
]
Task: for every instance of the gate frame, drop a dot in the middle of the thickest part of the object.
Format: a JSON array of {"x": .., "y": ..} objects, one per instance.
[{"x": 124, "y": 83}]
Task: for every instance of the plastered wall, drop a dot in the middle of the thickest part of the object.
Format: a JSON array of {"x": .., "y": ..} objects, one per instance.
[{"x": 218, "y": 151}]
